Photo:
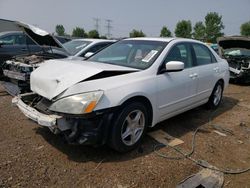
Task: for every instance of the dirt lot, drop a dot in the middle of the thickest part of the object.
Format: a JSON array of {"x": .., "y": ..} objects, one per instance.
[{"x": 31, "y": 156}]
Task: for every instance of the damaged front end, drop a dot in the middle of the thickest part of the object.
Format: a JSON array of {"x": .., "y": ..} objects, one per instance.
[
  {"x": 86, "y": 129},
  {"x": 16, "y": 72},
  {"x": 236, "y": 50}
]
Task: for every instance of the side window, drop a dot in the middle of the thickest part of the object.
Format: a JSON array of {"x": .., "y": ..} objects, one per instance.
[
  {"x": 180, "y": 52},
  {"x": 20, "y": 39},
  {"x": 203, "y": 55},
  {"x": 30, "y": 41},
  {"x": 8, "y": 40}
]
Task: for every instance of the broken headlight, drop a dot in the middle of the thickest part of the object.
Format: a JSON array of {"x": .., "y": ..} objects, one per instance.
[{"x": 77, "y": 104}]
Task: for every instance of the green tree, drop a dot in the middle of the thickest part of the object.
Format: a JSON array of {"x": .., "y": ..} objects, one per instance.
[
  {"x": 79, "y": 32},
  {"x": 245, "y": 29},
  {"x": 93, "y": 34},
  {"x": 199, "y": 31},
  {"x": 103, "y": 37},
  {"x": 183, "y": 29},
  {"x": 165, "y": 32},
  {"x": 60, "y": 31},
  {"x": 136, "y": 33},
  {"x": 214, "y": 26}
]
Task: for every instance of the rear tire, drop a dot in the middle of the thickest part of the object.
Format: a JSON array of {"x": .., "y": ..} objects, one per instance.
[
  {"x": 216, "y": 96},
  {"x": 129, "y": 127}
]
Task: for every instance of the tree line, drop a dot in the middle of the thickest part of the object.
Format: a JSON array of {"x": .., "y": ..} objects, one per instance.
[
  {"x": 207, "y": 31},
  {"x": 78, "y": 32}
]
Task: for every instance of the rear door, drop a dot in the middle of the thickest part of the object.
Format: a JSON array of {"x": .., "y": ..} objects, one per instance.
[{"x": 208, "y": 69}]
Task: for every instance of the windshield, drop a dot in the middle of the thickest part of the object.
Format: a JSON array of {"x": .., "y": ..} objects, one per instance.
[
  {"x": 75, "y": 46},
  {"x": 139, "y": 54}
]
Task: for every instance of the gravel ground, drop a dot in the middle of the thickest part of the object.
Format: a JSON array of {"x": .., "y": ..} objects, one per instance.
[{"x": 31, "y": 156}]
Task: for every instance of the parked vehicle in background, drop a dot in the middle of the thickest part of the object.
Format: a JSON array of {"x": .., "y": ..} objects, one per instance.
[
  {"x": 34, "y": 46},
  {"x": 63, "y": 39},
  {"x": 119, "y": 92},
  {"x": 214, "y": 47},
  {"x": 80, "y": 47},
  {"x": 17, "y": 70},
  {"x": 236, "y": 50},
  {"x": 14, "y": 43}
]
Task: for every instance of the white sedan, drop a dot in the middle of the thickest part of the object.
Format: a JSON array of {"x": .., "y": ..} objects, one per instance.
[
  {"x": 118, "y": 93},
  {"x": 82, "y": 47}
]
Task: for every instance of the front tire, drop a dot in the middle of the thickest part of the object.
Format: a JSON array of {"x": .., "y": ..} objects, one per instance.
[
  {"x": 216, "y": 96},
  {"x": 129, "y": 127}
]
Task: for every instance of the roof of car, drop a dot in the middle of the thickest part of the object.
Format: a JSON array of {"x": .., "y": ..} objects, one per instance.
[
  {"x": 163, "y": 39},
  {"x": 152, "y": 39},
  {"x": 93, "y": 40}
]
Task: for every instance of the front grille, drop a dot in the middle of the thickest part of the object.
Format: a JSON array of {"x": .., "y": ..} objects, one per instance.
[{"x": 43, "y": 106}]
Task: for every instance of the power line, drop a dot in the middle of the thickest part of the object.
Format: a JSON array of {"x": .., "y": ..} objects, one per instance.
[
  {"x": 109, "y": 27},
  {"x": 96, "y": 20}
]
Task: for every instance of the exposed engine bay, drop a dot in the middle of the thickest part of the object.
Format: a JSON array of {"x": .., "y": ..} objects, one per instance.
[
  {"x": 236, "y": 50},
  {"x": 17, "y": 71},
  {"x": 238, "y": 64}
]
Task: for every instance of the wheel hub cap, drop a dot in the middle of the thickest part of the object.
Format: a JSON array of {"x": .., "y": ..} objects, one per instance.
[
  {"x": 217, "y": 95},
  {"x": 133, "y": 127}
]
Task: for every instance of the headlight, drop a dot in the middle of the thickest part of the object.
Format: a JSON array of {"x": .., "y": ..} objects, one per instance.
[{"x": 77, "y": 104}]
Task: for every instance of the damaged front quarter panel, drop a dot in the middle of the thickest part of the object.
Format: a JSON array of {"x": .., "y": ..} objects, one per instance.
[
  {"x": 94, "y": 131},
  {"x": 236, "y": 50}
]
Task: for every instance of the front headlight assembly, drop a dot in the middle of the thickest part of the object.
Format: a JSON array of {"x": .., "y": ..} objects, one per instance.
[{"x": 77, "y": 104}]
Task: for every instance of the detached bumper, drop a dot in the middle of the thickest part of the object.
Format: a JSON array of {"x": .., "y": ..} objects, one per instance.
[
  {"x": 89, "y": 129},
  {"x": 41, "y": 119}
]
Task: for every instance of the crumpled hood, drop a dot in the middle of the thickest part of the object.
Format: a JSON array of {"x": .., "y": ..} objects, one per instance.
[{"x": 55, "y": 76}]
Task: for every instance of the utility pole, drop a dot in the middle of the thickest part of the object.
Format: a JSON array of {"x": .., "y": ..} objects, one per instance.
[
  {"x": 109, "y": 27},
  {"x": 96, "y": 20}
]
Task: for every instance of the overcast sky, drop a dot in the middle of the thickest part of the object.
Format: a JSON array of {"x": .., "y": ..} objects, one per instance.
[{"x": 146, "y": 15}]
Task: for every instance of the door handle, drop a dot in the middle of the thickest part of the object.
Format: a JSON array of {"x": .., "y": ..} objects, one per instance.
[
  {"x": 216, "y": 69},
  {"x": 193, "y": 76}
]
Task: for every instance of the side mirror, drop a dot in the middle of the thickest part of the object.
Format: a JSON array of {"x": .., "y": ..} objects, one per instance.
[
  {"x": 88, "y": 54},
  {"x": 174, "y": 66}
]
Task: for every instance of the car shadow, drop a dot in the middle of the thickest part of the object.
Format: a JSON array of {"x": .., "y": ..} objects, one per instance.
[{"x": 177, "y": 126}]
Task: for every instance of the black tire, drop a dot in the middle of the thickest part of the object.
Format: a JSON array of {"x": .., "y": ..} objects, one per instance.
[
  {"x": 116, "y": 141},
  {"x": 214, "y": 101}
]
